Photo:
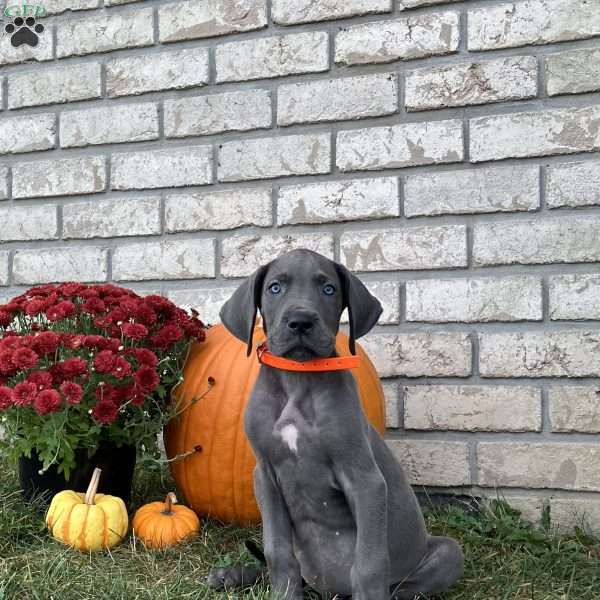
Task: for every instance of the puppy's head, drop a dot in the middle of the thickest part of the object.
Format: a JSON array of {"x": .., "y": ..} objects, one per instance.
[{"x": 301, "y": 296}]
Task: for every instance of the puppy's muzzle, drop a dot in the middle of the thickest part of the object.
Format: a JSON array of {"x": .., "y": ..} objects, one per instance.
[{"x": 301, "y": 321}]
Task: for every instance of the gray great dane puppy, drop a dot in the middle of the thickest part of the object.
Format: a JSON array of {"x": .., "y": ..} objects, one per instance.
[{"x": 337, "y": 510}]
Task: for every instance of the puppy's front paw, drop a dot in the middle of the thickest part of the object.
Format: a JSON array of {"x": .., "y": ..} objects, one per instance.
[{"x": 231, "y": 578}]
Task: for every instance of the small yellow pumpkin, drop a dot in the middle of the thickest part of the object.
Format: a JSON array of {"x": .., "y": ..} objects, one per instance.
[
  {"x": 88, "y": 521},
  {"x": 162, "y": 524}
]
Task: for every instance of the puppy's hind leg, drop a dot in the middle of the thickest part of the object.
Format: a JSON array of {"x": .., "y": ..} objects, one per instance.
[{"x": 441, "y": 567}]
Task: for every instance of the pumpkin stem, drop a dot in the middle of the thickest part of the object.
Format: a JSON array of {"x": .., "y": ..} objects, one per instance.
[
  {"x": 169, "y": 501},
  {"x": 90, "y": 495}
]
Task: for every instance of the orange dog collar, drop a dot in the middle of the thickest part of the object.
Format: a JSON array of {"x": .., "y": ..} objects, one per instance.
[{"x": 335, "y": 363}]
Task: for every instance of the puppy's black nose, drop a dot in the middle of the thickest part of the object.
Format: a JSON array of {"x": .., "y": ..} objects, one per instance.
[{"x": 301, "y": 321}]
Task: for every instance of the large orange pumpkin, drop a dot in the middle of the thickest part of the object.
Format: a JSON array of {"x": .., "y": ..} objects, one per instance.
[{"x": 214, "y": 465}]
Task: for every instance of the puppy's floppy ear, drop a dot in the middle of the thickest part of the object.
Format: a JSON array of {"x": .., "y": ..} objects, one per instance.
[
  {"x": 363, "y": 308},
  {"x": 238, "y": 314}
]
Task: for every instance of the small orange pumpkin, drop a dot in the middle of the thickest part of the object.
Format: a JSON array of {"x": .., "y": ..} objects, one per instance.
[
  {"x": 162, "y": 524},
  {"x": 214, "y": 463}
]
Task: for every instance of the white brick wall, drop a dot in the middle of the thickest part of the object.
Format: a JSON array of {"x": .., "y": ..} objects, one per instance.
[{"x": 445, "y": 150}]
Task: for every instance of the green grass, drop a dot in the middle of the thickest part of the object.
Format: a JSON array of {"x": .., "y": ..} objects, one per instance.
[{"x": 505, "y": 558}]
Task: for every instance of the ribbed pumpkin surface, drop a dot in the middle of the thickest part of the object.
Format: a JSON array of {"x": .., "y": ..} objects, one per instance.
[{"x": 217, "y": 481}]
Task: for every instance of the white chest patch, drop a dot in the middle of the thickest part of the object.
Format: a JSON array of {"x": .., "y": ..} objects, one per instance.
[{"x": 289, "y": 434}]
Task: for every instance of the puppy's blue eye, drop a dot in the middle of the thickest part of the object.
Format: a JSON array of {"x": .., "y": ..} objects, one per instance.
[
  {"x": 329, "y": 289},
  {"x": 274, "y": 288}
]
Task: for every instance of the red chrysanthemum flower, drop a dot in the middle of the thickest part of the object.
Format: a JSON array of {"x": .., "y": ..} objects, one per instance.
[
  {"x": 94, "y": 306},
  {"x": 47, "y": 401},
  {"x": 35, "y": 307},
  {"x": 104, "y": 361},
  {"x": 6, "y": 398},
  {"x": 105, "y": 412},
  {"x": 7, "y": 366},
  {"x": 117, "y": 315},
  {"x": 146, "y": 379},
  {"x": 134, "y": 331},
  {"x": 41, "y": 379},
  {"x": 71, "y": 288},
  {"x": 25, "y": 393},
  {"x": 121, "y": 368},
  {"x": 93, "y": 341},
  {"x": 55, "y": 313},
  {"x": 5, "y": 318},
  {"x": 145, "y": 357},
  {"x": 25, "y": 358},
  {"x": 72, "y": 367},
  {"x": 72, "y": 392},
  {"x": 46, "y": 342},
  {"x": 145, "y": 315}
]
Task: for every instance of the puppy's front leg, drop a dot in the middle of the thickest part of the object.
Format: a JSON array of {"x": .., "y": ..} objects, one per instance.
[
  {"x": 284, "y": 569},
  {"x": 365, "y": 490}
]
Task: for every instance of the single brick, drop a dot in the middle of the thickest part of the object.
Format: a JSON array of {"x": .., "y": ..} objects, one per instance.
[
  {"x": 49, "y": 265},
  {"x": 405, "y": 248},
  {"x": 532, "y": 22},
  {"x": 506, "y": 189},
  {"x": 291, "y": 12},
  {"x": 561, "y": 353},
  {"x": 241, "y": 255},
  {"x": 574, "y": 408},
  {"x": 422, "y": 354},
  {"x": 560, "y": 131},
  {"x": 388, "y": 293},
  {"x": 404, "y": 145},
  {"x": 264, "y": 158},
  {"x": 567, "y": 465},
  {"x": 337, "y": 99},
  {"x": 478, "y": 300},
  {"x": 472, "y": 408},
  {"x": 207, "y": 301},
  {"x": 433, "y": 463},
  {"x": 24, "y": 53},
  {"x": 4, "y": 258},
  {"x": 465, "y": 84},
  {"x": 23, "y": 223},
  {"x": 573, "y": 72},
  {"x": 348, "y": 200},
  {"x": 573, "y": 184},
  {"x": 570, "y": 513},
  {"x": 112, "y": 218},
  {"x": 54, "y": 85},
  {"x": 181, "y": 259},
  {"x": 218, "y": 210},
  {"x": 273, "y": 56},
  {"x": 568, "y": 240},
  {"x": 3, "y": 183},
  {"x": 391, "y": 395},
  {"x": 206, "y": 115},
  {"x": 575, "y": 296},
  {"x": 177, "y": 69},
  {"x": 105, "y": 33},
  {"x": 175, "y": 167},
  {"x": 192, "y": 19},
  {"x": 405, "y": 38},
  {"x": 406, "y": 4},
  {"x": 110, "y": 125},
  {"x": 55, "y": 7},
  {"x": 27, "y": 134},
  {"x": 62, "y": 177}
]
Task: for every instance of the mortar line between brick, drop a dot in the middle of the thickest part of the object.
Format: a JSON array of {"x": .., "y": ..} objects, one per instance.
[
  {"x": 472, "y": 459},
  {"x": 546, "y": 425}
]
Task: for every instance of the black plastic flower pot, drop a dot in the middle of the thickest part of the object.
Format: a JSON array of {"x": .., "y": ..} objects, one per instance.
[{"x": 117, "y": 466}]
